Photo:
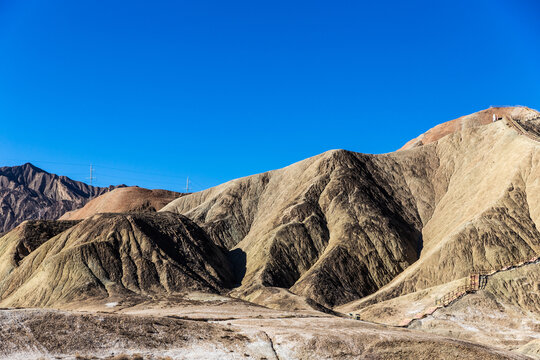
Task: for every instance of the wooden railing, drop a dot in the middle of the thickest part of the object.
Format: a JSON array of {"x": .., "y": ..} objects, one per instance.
[{"x": 477, "y": 280}]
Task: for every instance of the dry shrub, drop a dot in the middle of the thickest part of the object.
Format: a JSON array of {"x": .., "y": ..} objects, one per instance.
[
  {"x": 126, "y": 357},
  {"x": 120, "y": 357}
]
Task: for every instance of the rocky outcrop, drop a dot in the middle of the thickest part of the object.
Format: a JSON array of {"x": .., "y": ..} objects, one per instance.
[{"x": 27, "y": 192}]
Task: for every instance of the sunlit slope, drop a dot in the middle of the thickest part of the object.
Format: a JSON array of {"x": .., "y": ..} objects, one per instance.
[
  {"x": 476, "y": 119},
  {"x": 24, "y": 239},
  {"x": 486, "y": 217},
  {"x": 126, "y": 199}
]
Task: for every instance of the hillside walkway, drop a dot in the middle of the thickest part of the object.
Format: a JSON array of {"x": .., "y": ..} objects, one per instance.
[{"x": 476, "y": 281}]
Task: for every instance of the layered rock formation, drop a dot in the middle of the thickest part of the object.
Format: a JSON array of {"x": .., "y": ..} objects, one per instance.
[
  {"x": 380, "y": 235},
  {"x": 486, "y": 212},
  {"x": 111, "y": 255},
  {"x": 25, "y": 238},
  {"x": 27, "y": 192},
  {"x": 334, "y": 227}
]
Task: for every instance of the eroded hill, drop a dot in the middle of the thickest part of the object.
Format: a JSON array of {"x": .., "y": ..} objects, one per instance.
[
  {"x": 341, "y": 225},
  {"x": 119, "y": 255},
  {"x": 334, "y": 227},
  {"x": 480, "y": 118},
  {"x": 125, "y": 199}
]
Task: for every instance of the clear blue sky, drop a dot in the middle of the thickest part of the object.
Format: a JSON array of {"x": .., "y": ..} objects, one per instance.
[{"x": 154, "y": 91}]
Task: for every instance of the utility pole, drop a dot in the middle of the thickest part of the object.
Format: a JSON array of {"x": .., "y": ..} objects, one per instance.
[{"x": 187, "y": 185}]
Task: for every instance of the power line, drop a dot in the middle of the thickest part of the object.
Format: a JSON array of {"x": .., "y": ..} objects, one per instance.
[
  {"x": 190, "y": 184},
  {"x": 95, "y": 165}
]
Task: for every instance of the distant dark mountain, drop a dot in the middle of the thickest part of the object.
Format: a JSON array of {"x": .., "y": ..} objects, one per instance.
[{"x": 28, "y": 192}]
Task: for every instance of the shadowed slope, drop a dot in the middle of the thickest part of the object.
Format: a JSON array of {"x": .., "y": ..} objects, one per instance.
[
  {"x": 114, "y": 254},
  {"x": 336, "y": 210}
]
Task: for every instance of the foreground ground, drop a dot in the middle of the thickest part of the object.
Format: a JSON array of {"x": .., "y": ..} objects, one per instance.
[{"x": 197, "y": 325}]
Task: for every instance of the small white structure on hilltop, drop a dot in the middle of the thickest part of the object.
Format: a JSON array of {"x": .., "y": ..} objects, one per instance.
[{"x": 496, "y": 117}]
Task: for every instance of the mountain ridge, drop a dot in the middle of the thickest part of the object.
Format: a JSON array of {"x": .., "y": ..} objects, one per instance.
[{"x": 28, "y": 192}]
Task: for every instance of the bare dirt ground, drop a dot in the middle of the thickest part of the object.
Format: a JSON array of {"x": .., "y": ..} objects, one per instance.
[{"x": 204, "y": 326}]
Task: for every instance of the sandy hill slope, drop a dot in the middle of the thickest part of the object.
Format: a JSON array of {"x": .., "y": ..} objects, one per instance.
[
  {"x": 27, "y": 192},
  {"x": 480, "y": 118},
  {"x": 341, "y": 225},
  {"x": 504, "y": 312},
  {"x": 111, "y": 255},
  {"x": 125, "y": 199}
]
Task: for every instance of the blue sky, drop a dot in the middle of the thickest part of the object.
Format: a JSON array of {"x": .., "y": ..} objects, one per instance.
[{"x": 154, "y": 91}]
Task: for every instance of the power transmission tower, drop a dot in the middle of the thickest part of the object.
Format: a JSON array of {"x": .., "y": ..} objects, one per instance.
[{"x": 91, "y": 178}]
